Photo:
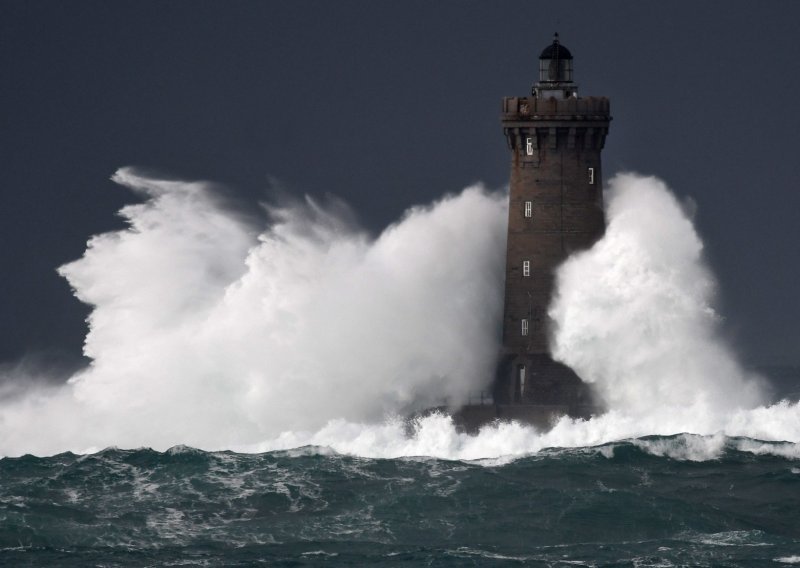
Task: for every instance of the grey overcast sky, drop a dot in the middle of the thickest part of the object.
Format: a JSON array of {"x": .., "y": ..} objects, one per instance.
[{"x": 388, "y": 104}]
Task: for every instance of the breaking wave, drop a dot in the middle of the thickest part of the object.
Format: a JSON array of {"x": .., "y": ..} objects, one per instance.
[{"x": 210, "y": 330}]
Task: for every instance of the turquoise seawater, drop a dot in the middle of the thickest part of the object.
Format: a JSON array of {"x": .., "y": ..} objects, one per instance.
[{"x": 615, "y": 505}]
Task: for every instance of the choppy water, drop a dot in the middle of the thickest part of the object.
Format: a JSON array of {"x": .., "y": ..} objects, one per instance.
[{"x": 613, "y": 505}]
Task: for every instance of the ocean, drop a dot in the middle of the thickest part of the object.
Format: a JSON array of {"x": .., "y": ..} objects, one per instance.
[
  {"x": 655, "y": 501},
  {"x": 298, "y": 343}
]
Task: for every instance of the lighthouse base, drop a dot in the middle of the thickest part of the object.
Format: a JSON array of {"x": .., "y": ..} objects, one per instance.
[
  {"x": 537, "y": 379},
  {"x": 472, "y": 418},
  {"x": 531, "y": 388}
]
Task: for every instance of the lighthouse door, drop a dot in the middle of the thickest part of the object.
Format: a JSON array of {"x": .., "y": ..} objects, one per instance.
[{"x": 519, "y": 384}]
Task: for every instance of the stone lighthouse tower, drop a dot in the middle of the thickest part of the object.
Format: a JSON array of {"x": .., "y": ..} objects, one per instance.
[{"x": 555, "y": 208}]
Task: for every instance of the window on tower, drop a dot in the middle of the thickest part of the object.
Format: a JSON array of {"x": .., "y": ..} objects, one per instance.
[
  {"x": 591, "y": 176},
  {"x": 524, "y": 326},
  {"x": 526, "y": 267},
  {"x": 528, "y": 209},
  {"x": 529, "y": 146}
]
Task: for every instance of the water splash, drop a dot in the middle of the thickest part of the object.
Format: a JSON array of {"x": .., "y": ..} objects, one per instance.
[
  {"x": 635, "y": 317},
  {"x": 209, "y": 330}
]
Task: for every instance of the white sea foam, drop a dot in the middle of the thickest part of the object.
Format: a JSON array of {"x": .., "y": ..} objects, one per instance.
[{"x": 211, "y": 331}]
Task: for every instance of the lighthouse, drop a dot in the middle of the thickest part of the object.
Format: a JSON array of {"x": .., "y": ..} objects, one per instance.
[
  {"x": 555, "y": 209},
  {"x": 555, "y": 138}
]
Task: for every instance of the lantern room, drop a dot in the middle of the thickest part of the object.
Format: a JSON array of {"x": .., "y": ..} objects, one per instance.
[{"x": 555, "y": 73}]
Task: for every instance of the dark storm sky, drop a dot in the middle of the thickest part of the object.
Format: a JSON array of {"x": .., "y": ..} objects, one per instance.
[{"x": 388, "y": 104}]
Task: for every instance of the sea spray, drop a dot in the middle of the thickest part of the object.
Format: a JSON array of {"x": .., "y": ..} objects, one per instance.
[
  {"x": 635, "y": 316},
  {"x": 210, "y": 331}
]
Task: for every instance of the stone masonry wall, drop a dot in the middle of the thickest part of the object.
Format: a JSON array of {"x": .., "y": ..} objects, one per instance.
[{"x": 554, "y": 143}]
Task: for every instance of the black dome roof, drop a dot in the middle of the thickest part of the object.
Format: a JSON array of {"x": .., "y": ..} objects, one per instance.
[{"x": 555, "y": 51}]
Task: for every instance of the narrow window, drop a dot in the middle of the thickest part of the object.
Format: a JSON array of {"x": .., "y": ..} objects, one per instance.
[
  {"x": 522, "y": 381},
  {"x": 529, "y": 146},
  {"x": 526, "y": 267},
  {"x": 524, "y": 327},
  {"x": 591, "y": 176},
  {"x": 529, "y": 209}
]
